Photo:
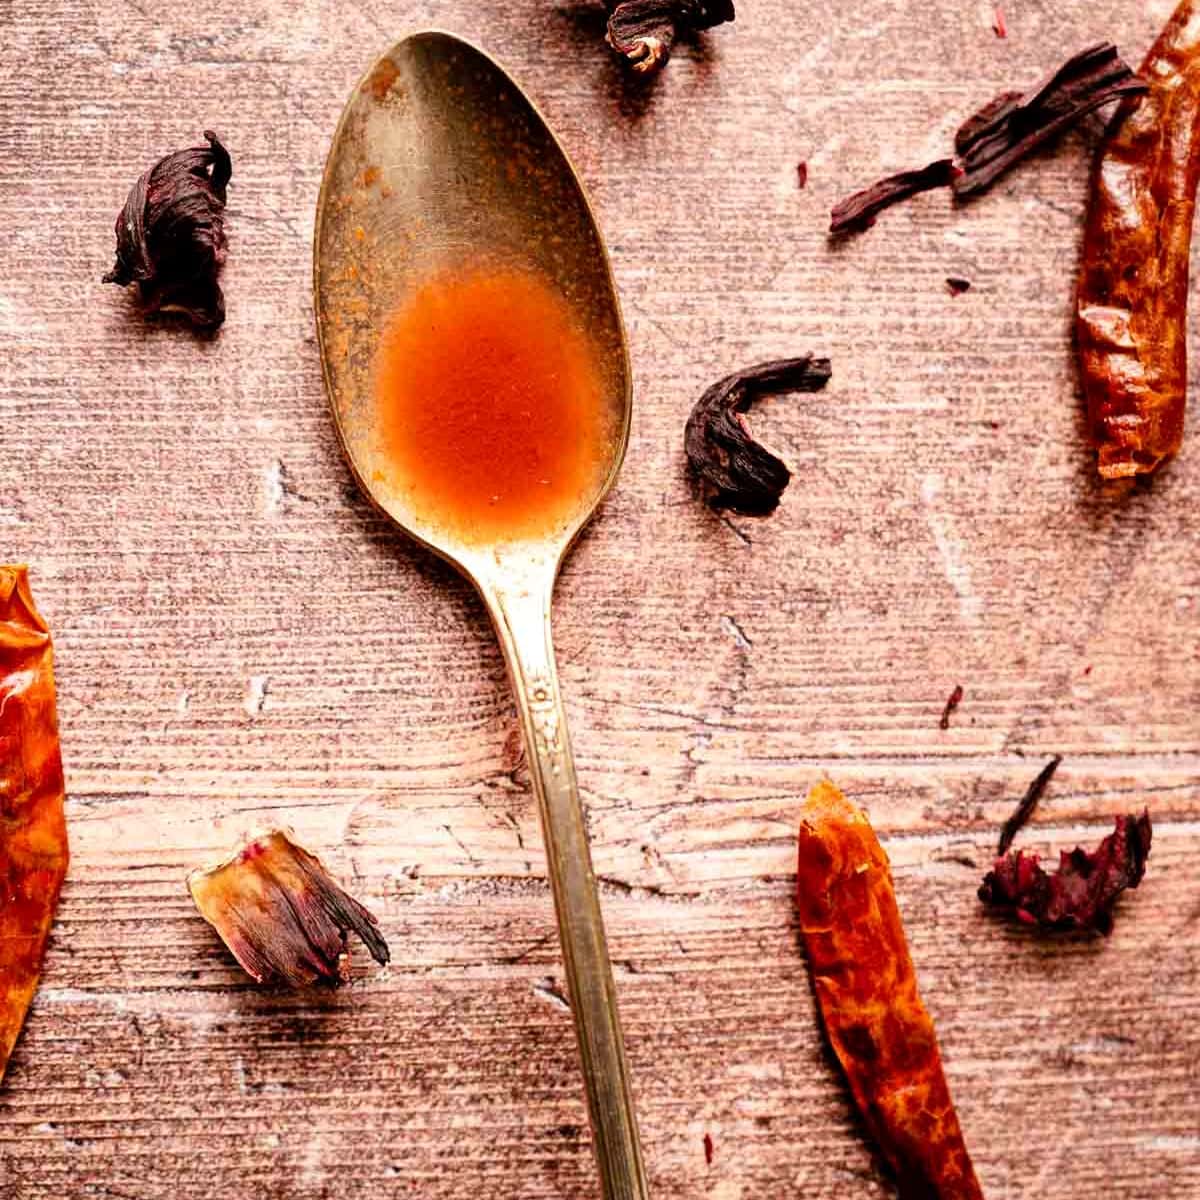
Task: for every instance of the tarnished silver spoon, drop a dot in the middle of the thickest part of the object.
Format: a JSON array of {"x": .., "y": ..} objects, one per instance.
[{"x": 441, "y": 164}]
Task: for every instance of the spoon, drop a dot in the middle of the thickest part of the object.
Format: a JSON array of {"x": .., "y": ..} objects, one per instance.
[{"x": 440, "y": 164}]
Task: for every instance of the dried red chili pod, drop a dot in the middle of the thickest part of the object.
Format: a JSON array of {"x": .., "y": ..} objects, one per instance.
[
  {"x": 33, "y": 840},
  {"x": 1131, "y": 306},
  {"x": 867, "y": 991},
  {"x": 642, "y": 32},
  {"x": 171, "y": 234}
]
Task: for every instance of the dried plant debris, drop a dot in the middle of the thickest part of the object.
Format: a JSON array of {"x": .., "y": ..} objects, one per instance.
[
  {"x": 642, "y": 32},
  {"x": 735, "y": 471},
  {"x": 1029, "y": 802},
  {"x": 171, "y": 234},
  {"x": 1082, "y": 892},
  {"x": 281, "y": 914},
  {"x": 1012, "y": 126},
  {"x": 858, "y": 212},
  {"x": 952, "y": 702},
  {"x": 1002, "y": 133}
]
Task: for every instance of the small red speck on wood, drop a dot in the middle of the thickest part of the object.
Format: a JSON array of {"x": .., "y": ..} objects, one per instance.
[
  {"x": 952, "y": 702},
  {"x": 708, "y": 1149},
  {"x": 999, "y": 28},
  {"x": 802, "y": 174}
]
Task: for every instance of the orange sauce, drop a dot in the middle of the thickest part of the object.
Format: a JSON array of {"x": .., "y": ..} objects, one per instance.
[{"x": 489, "y": 405}]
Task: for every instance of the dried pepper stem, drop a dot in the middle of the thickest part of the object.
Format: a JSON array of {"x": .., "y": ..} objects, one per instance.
[
  {"x": 867, "y": 991},
  {"x": 33, "y": 845}
]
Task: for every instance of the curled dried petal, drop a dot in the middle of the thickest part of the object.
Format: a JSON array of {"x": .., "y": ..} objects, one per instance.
[
  {"x": 1015, "y": 124},
  {"x": 171, "y": 234},
  {"x": 858, "y": 212},
  {"x": 281, "y": 914},
  {"x": 1003, "y": 132},
  {"x": 736, "y": 471},
  {"x": 644, "y": 31},
  {"x": 1082, "y": 892}
]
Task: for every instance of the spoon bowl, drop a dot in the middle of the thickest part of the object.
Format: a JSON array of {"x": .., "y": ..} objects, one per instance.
[{"x": 441, "y": 166}]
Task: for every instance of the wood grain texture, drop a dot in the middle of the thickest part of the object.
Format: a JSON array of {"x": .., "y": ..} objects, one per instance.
[{"x": 241, "y": 640}]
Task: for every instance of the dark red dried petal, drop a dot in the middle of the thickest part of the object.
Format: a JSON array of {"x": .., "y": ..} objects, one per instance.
[
  {"x": 737, "y": 472},
  {"x": 858, "y": 212},
  {"x": 1082, "y": 892},
  {"x": 171, "y": 237},
  {"x": 1014, "y": 124},
  {"x": 644, "y": 31}
]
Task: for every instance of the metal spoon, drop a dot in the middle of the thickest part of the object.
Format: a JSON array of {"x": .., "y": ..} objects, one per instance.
[{"x": 439, "y": 160}]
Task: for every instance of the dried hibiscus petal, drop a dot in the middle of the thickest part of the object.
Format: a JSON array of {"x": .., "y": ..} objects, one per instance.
[
  {"x": 643, "y": 31},
  {"x": 1013, "y": 125},
  {"x": 171, "y": 234},
  {"x": 1029, "y": 802},
  {"x": 859, "y": 211},
  {"x": 281, "y": 914},
  {"x": 1003, "y": 132},
  {"x": 1082, "y": 892},
  {"x": 736, "y": 471}
]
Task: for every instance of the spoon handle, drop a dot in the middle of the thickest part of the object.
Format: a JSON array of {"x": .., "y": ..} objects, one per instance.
[{"x": 522, "y": 618}]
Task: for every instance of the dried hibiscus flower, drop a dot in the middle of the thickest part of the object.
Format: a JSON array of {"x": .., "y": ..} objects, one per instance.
[
  {"x": 1082, "y": 892},
  {"x": 171, "y": 234},
  {"x": 735, "y": 470},
  {"x": 281, "y": 914},
  {"x": 642, "y": 32},
  {"x": 1003, "y": 132}
]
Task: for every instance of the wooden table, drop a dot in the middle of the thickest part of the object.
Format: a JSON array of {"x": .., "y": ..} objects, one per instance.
[{"x": 242, "y": 641}]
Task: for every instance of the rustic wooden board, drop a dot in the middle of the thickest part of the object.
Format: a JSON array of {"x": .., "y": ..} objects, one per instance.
[{"x": 241, "y": 640}]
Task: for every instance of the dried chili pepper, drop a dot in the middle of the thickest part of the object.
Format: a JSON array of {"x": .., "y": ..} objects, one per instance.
[
  {"x": 867, "y": 992},
  {"x": 171, "y": 234},
  {"x": 1082, "y": 892},
  {"x": 33, "y": 840},
  {"x": 642, "y": 32},
  {"x": 1131, "y": 307},
  {"x": 281, "y": 914},
  {"x": 1003, "y": 132},
  {"x": 736, "y": 471}
]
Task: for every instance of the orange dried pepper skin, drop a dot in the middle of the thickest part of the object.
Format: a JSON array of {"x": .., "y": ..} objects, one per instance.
[
  {"x": 33, "y": 832},
  {"x": 867, "y": 992},
  {"x": 1131, "y": 305}
]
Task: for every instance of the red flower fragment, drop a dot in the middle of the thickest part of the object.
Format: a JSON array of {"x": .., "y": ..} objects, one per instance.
[
  {"x": 1082, "y": 892},
  {"x": 171, "y": 234}
]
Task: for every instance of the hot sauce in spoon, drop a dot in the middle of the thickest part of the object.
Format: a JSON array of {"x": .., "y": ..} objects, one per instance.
[{"x": 490, "y": 409}]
